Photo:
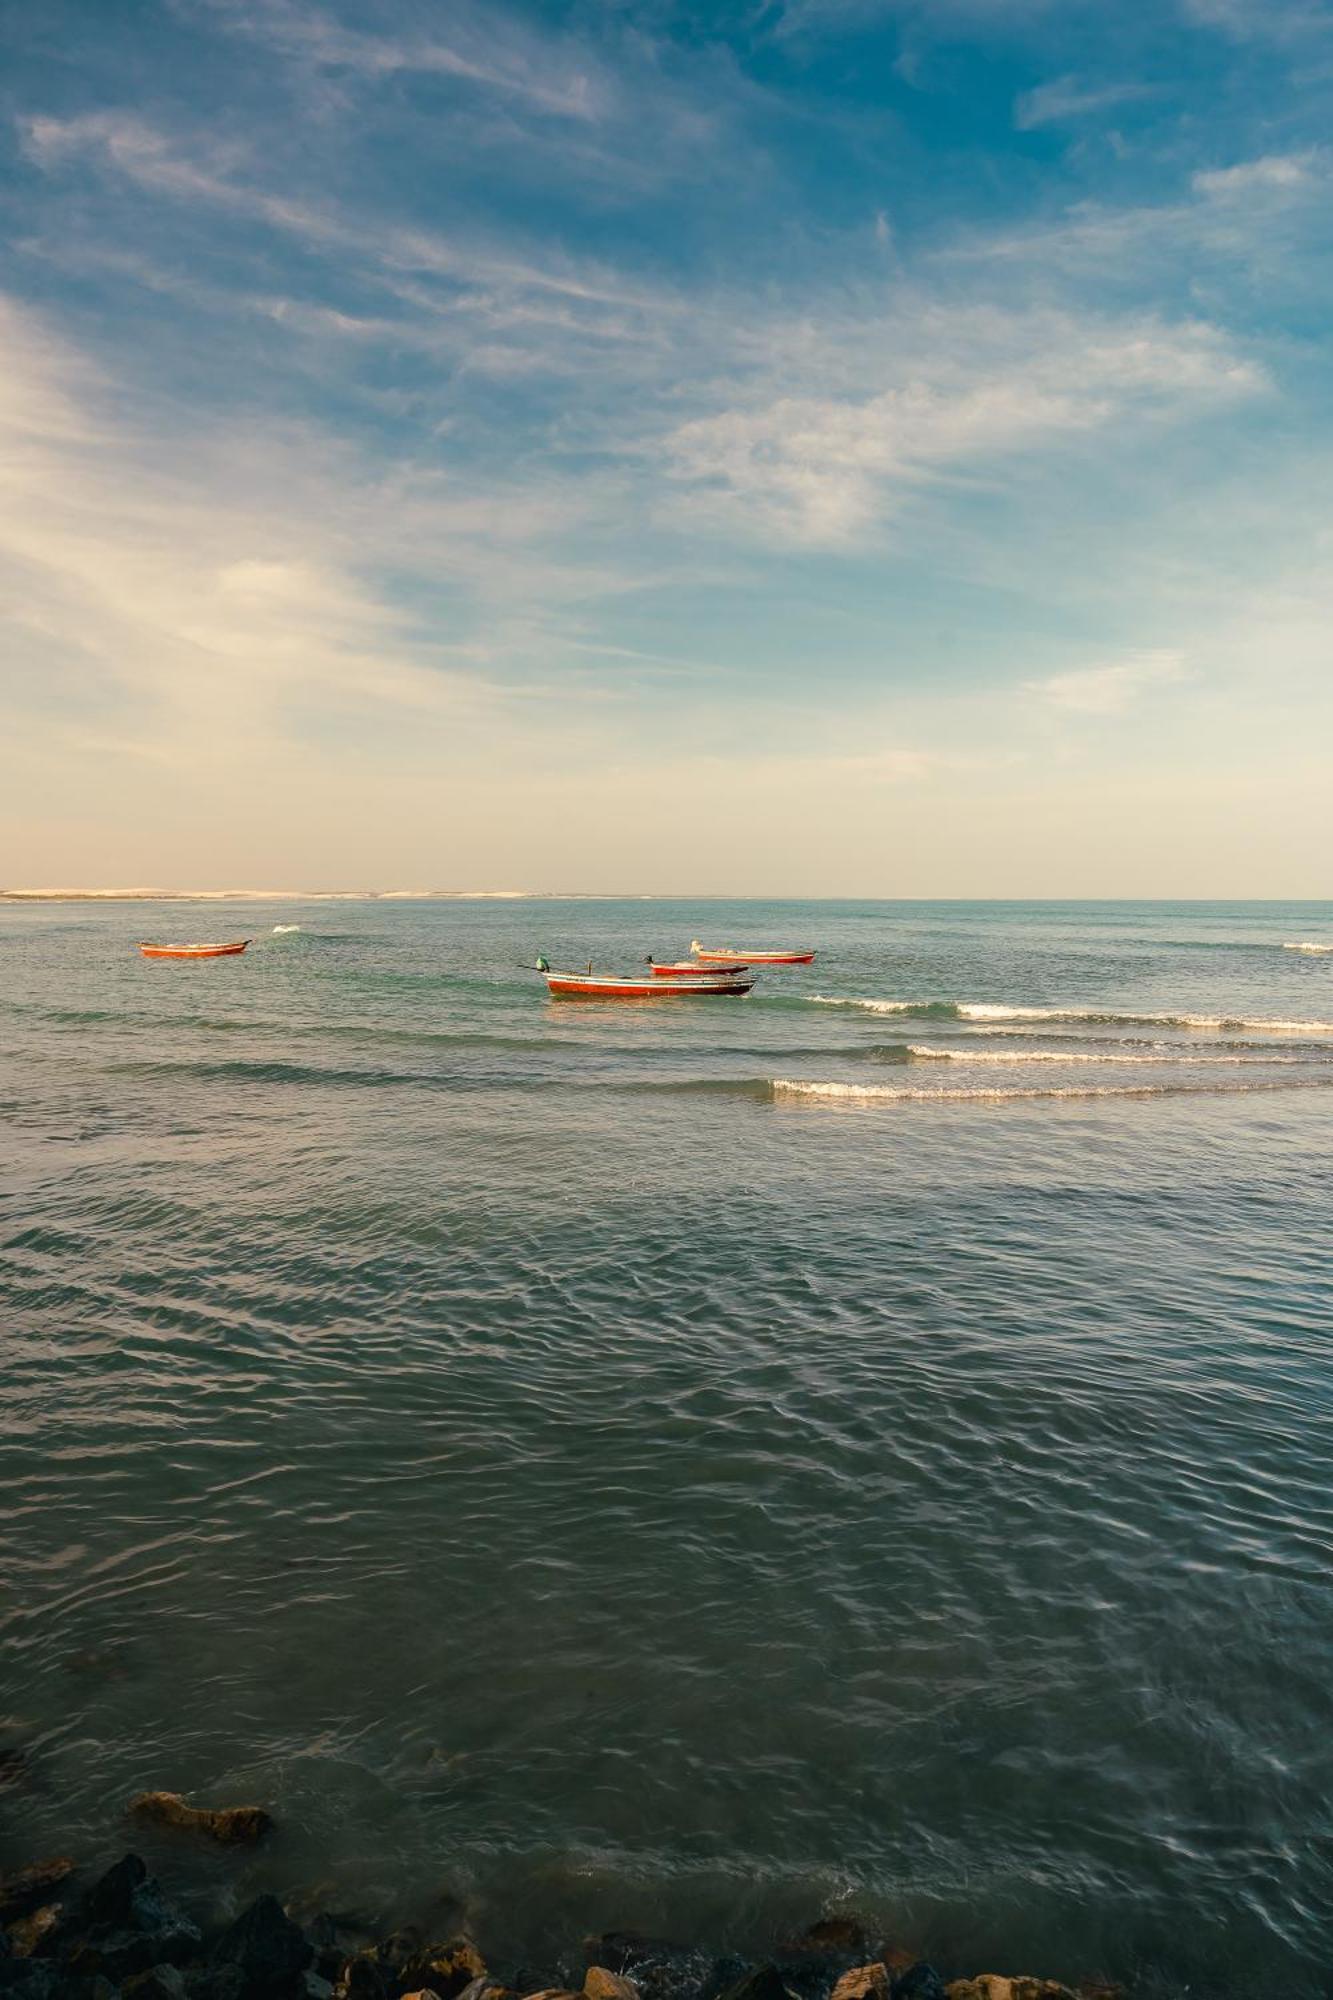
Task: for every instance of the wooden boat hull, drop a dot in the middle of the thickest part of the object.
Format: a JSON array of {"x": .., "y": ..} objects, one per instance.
[
  {"x": 583, "y": 986},
  {"x": 724, "y": 956},
  {"x": 232, "y": 950},
  {"x": 693, "y": 971}
]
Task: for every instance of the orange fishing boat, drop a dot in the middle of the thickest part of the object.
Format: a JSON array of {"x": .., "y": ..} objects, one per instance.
[
  {"x": 726, "y": 955},
  {"x": 599, "y": 986},
  {"x": 194, "y": 950}
]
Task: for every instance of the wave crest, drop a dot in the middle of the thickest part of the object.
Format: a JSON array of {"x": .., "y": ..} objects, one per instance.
[{"x": 985, "y": 1010}]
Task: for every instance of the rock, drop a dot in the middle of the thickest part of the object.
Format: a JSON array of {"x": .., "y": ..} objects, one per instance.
[
  {"x": 33, "y": 1979},
  {"x": 266, "y": 1947},
  {"x": 864, "y": 1982},
  {"x": 422, "y": 1993},
  {"x": 487, "y": 1988},
  {"x": 552, "y": 1993},
  {"x": 919, "y": 1982},
  {"x": 994, "y": 1986},
  {"x": 235, "y": 1826},
  {"x": 603, "y": 1985},
  {"x": 30, "y": 1933},
  {"x": 447, "y": 1969},
  {"x": 27, "y": 1887},
  {"x": 130, "y": 1926},
  {"x": 313, "y": 1987},
  {"x": 830, "y": 1934},
  {"x": 160, "y": 1982},
  {"x": 762, "y": 1982}
]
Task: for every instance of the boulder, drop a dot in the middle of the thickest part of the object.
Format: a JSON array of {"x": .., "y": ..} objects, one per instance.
[
  {"x": 129, "y": 1925},
  {"x": 234, "y": 1826},
  {"x": 599, "y": 1984},
  {"x": 159, "y": 1982},
  {"x": 29, "y": 1934},
  {"x": 27, "y": 1887},
  {"x": 447, "y": 1969},
  {"x": 266, "y": 1947},
  {"x": 864, "y": 1982},
  {"x": 995, "y": 1986},
  {"x": 487, "y": 1988}
]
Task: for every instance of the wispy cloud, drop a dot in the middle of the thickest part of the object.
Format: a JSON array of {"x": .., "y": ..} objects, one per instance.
[
  {"x": 492, "y": 51},
  {"x": 1111, "y": 689},
  {"x": 1067, "y": 98},
  {"x": 1274, "y": 173},
  {"x": 821, "y": 469}
]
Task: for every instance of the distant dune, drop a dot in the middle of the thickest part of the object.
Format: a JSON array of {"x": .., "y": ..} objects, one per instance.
[{"x": 264, "y": 895}]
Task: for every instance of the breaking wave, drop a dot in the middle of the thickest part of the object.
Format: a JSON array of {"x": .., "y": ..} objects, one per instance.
[
  {"x": 981, "y": 1010},
  {"x": 887, "y": 1093},
  {"x": 922, "y": 1052},
  {"x": 1309, "y": 945}
]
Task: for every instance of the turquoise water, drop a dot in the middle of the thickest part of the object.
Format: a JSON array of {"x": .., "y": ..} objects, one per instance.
[{"x": 693, "y": 1466}]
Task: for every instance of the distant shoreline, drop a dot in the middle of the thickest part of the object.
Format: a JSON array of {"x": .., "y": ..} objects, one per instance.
[{"x": 269, "y": 895}]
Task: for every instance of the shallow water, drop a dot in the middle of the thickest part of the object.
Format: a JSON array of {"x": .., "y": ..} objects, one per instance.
[{"x": 686, "y": 1466}]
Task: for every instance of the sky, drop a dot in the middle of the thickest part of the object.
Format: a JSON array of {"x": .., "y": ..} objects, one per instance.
[{"x": 800, "y": 447}]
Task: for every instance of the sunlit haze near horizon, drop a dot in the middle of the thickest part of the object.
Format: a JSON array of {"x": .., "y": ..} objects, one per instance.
[{"x": 848, "y": 447}]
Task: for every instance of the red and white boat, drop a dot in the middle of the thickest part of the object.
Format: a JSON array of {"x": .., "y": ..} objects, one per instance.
[
  {"x": 726, "y": 955},
  {"x": 688, "y": 969},
  {"x": 607, "y": 986},
  {"x": 231, "y": 950}
]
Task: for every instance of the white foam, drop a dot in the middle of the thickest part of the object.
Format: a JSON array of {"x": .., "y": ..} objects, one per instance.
[
  {"x": 872, "y": 1093},
  {"x": 1308, "y": 944},
  {"x": 1107, "y": 1017},
  {"x": 280, "y": 929},
  {"x": 1109, "y": 1055}
]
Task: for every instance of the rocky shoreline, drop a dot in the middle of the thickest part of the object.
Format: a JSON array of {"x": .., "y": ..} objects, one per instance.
[{"x": 117, "y": 1936}]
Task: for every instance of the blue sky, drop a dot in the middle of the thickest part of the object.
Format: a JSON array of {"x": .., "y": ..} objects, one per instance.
[{"x": 841, "y": 447}]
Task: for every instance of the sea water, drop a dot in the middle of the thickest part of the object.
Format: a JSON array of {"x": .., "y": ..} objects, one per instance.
[{"x": 690, "y": 1466}]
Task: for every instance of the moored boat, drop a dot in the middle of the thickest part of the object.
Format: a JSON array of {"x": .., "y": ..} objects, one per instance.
[
  {"x": 688, "y": 969},
  {"x": 231, "y": 950},
  {"x": 728, "y": 955},
  {"x": 608, "y": 986}
]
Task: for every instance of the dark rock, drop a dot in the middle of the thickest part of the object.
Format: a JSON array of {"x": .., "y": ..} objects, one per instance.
[
  {"x": 27, "y": 1887},
  {"x": 266, "y": 1947},
  {"x": 333, "y": 1940},
  {"x": 761, "y": 1982},
  {"x": 234, "y": 1826},
  {"x": 160, "y": 1982},
  {"x": 919, "y": 1982},
  {"x": 32, "y": 1979},
  {"x": 313, "y": 1987},
  {"x": 218, "y": 1982},
  {"x": 111, "y": 1897},
  {"x": 363, "y": 1978},
  {"x": 130, "y": 1925}
]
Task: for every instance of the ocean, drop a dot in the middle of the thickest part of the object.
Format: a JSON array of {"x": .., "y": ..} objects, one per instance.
[{"x": 688, "y": 1467}]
